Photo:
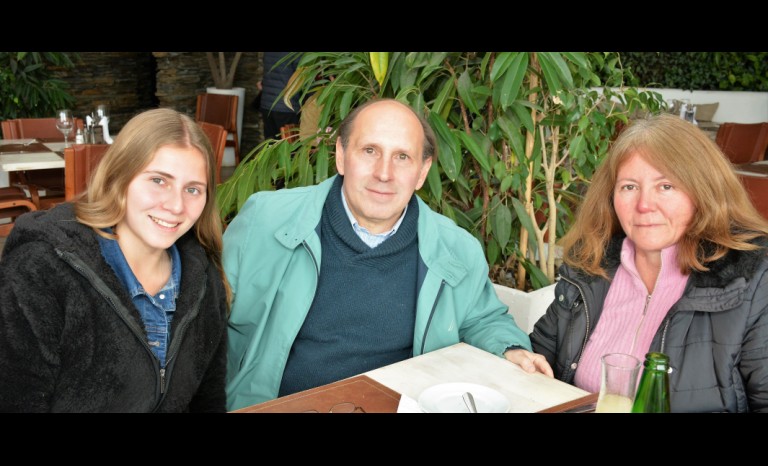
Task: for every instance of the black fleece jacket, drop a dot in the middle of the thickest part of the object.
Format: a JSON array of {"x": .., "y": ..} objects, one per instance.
[{"x": 71, "y": 339}]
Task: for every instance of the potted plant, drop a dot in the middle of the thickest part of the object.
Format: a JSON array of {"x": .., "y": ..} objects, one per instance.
[{"x": 519, "y": 135}]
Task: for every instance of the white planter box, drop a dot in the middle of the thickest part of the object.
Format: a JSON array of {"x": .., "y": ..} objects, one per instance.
[{"x": 525, "y": 307}]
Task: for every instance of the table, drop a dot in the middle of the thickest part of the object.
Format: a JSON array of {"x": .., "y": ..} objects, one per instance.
[
  {"x": 757, "y": 169},
  {"x": 754, "y": 177},
  {"x": 28, "y": 154},
  {"x": 380, "y": 390}
]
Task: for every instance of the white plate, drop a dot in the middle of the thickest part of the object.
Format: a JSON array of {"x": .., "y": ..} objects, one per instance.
[{"x": 446, "y": 398}]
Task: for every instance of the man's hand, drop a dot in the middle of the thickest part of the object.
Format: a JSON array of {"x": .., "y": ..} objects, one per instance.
[{"x": 530, "y": 362}]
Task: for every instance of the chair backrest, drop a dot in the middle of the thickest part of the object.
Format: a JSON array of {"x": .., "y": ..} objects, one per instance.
[
  {"x": 218, "y": 137},
  {"x": 43, "y": 128},
  {"x": 743, "y": 142},
  {"x": 80, "y": 160},
  {"x": 219, "y": 109},
  {"x": 13, "y": 202},
  {"x": 757, "y": 187}
]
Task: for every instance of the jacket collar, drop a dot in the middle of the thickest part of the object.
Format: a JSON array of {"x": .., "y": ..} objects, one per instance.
[
  {"x": 722, "y": 272},
  {"x": 437, "y": 256},
  {"x": 296, "y": 229}
]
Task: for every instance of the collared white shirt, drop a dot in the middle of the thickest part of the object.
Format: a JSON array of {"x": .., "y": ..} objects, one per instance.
[{"x": 372, "y": 240}]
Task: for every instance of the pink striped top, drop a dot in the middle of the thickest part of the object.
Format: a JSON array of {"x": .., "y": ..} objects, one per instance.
[{"x": 623, "y": 327}]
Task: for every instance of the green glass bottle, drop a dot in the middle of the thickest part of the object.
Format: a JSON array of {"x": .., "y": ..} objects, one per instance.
[{"x": 653, "y": 392}]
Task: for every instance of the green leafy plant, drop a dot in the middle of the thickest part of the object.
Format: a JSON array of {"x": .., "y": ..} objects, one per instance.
[
  {"x": 729, "y": 71},
  {"x": 519, "y": 136},
  {"x": 27, "y": 86}
]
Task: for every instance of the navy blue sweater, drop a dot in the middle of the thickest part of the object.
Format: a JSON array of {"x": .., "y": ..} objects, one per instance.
[{"x": 364, "y": 309}]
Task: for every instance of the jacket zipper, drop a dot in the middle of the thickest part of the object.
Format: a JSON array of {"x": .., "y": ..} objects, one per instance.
[
  {"x": 166, "y": 372},
  {"x": 86, "y": 272},
  {"x": 431, "y": 314},
  {"x": 573, "y": 366},
  {"x": 664, "y": 332},
  {"x": 640, "y": 324},
  {"x": 312, "y": 255}
]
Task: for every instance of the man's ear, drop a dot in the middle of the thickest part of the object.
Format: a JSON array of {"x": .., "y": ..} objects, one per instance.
[
  {"x": 424, "y": 173},
  {"x": 339, "y": 157}
]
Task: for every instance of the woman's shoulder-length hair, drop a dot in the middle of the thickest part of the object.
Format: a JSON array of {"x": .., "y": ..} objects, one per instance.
[{"x": 725, "y": 216}]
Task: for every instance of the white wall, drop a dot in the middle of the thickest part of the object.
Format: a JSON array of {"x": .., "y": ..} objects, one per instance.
[{"x": 734, "y": 106}]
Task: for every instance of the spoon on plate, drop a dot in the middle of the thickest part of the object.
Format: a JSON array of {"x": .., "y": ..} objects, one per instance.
[{"x": 469, "y": 400}]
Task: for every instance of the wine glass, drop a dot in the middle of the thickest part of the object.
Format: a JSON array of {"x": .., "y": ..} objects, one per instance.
[{"x": 65, "y": 123}]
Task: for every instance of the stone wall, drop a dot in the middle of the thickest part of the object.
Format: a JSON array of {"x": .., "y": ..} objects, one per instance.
[
  {"x": 130, "y": 82},
  {"x": 181, "y": 76},
  {"x": 123, "y": 80}
]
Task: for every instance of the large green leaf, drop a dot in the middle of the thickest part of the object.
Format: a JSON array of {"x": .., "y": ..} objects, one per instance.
[
  {"x": 346, "y": 103},
  {"x": 284, "y": 158},
  {"x": 501, "y": 64},
  {"x": 538, "y": 278},
  {"x": 514, "y": 79},
  {"x": 562, "y": 68},
  {"x": 442, "y": 103},
  {"x": 465, "y": 92},
  {"x": 434, "y": 182},
  {"x": 447, "y": 146},
  {"x": 525, "y": 220},
  {"x": 492, "y": 251},
  {"x": 321, "y": 162},
  {"x": 475, "y": 150},
  {"x": 549, "y": 70},
  {"x": 484, "y": 64},
  {"x": 502, "y": 224},
  {"x": 513, "y": 135},
  {"x": 523, "y": 113},
  {"x": 579, "y": 58}
]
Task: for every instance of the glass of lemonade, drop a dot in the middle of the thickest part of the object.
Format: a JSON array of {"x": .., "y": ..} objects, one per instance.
[{"x": 618, "y": 383}]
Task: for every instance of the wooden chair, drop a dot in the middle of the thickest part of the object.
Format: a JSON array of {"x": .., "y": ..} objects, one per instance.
[
  {"x": 743, "y": 142},
  {"x": 757, "y": 187},
  {"x": 80, "y": 161},
  {"x": 220, "y": 109},
  {"x": 51, "y": 180},
  {"x": 290, "y": 132},
  {"x": 13, "y": 202},
  {"x": 218, "y": 137},
  {"x": 38, "y": 128}
]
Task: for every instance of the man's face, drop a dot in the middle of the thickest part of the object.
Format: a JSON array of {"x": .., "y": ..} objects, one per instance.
[{"x": 382, "y": 165}]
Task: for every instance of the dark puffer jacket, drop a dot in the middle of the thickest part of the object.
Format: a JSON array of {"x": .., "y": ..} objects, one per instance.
[
  {"x": 72, "y": 340},
  {"x": 274, "y": 81},
  {"x": 716, "y": 335}
]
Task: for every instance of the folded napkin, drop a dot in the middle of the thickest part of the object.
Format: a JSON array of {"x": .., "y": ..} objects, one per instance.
[{"x": 408, "y": 405}]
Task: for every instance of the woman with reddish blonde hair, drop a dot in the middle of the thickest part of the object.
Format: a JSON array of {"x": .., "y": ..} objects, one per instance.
[{"x": 666, "y": 254}]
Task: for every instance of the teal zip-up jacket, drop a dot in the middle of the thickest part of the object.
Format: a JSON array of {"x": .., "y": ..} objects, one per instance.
[{"x": 272, "y": 258}]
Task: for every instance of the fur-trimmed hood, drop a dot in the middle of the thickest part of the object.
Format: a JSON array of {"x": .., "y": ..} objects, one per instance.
[{"x": 734, "y": 265}]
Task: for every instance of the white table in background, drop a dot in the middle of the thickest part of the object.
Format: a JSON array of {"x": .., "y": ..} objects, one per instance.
[{"x": 23, "y": 161}]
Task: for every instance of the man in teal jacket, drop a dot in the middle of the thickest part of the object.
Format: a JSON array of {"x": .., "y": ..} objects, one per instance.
[{"x": 357, "y": 272}]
